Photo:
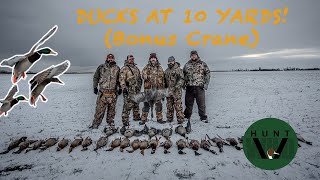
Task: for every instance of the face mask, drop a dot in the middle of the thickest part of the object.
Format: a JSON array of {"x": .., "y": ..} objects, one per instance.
[{"x": 170, "y": 65}]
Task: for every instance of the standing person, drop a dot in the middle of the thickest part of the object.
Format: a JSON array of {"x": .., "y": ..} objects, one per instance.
[
  {"x": 153, "y": 76},
  {"x": 197, "y": 78},
  {"x": 174, "y": 80},
  {"x": 130, "y": 82},
  {"x": 107, "y": 78}
]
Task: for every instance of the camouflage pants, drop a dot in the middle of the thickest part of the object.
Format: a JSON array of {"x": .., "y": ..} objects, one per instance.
[
  {"x": 104, "y": 102},
  {"x": 174, "y": 103},
  {"x": 146, "y": 109},
  {"x": 129, "y": 105}
]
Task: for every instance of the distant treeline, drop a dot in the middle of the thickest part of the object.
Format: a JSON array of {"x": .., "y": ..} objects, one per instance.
[
  {"x": 273, "y": 69},
  {"x": 6, "y": 72},
  {"x": 233, "y": 70}
]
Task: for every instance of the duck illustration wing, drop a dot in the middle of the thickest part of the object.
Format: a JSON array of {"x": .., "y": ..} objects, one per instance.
[
  {"x": 11, "y": 93},
  {"x": 44, "y": 38}
]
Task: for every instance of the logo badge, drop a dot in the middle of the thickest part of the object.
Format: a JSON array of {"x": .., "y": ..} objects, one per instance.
[{"x": 270, "y": 143}]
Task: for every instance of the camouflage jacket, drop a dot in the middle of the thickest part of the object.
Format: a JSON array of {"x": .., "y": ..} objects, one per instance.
[
  {"x": 107, "y": 77},
  {"x": 130, "y": 78},
  {"x": 153, "y": 76},
  {"x": 196, "y": 73},
  {"x": 174, "y": 78}
]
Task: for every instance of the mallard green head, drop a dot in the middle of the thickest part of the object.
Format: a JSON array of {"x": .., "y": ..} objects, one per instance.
[
  {"x": 47, "y": 51},
  {"x": 21, "y": 98}
]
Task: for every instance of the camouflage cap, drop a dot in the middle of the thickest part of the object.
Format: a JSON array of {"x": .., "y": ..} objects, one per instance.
[
  {"x": 110, "y": 56},
  {"x": 153, "y": 55},
  {"x": 194, "y": 52},
  {"x": 171, "y": 58},
  {"x": 130, "y": 56}
]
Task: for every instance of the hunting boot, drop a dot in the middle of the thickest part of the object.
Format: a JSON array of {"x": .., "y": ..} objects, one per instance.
[
  {"x": 94, "y": 126},
  {"x": 144, "y": 117},
  {"x": 180, "y": 121},
  {"x": 170, "y": 120},
  {"x": 111, "y": 125},
  {"x": 159, "y": 118}
]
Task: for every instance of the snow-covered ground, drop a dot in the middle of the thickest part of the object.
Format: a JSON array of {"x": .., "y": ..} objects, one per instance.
[{"x": 234, "y": 99}]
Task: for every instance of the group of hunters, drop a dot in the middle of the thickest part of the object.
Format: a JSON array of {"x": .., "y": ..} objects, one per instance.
[{"x": 109, "y": 81}]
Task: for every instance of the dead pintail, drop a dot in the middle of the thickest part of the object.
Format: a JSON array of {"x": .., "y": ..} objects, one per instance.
[
  {"x": 154, "y": 144},
  {"x": 75, "y": 143},
  {"x": 137, "y": 133},
  {"x": 218, "y": 141},
  {"x": 205, "y": 144},
  {"x": 181, "y": 144},
  {"x": 129, "y": 133},
  {"x": 152, "y": 132},
  {"x": 230, "y": 142},
  {"x": 124, "y": 144},
  {"x": 300, "y": 138},
  {"x": 144, "y": 144},
  {"x": 62, "y": 144},
  {"x": 102, "y": 141},
  {"x": 86, "y": 143},
  {"x": 114, "y": 144},
  {"x": 49, "y": 143},
  {"x": 233, "y": 142},
  {"x": 167, "y": 132},
  {"x": 14, "y": 144},
  {"x": 181, "y": 130},
  {"x": 24, "y": 145},
  {"x": 194, "y": 145},
  {"x": 135, "y": 144},
  {"x": 36, "y": 145},
  {"x": 110, "y": 130},
  {"x": 167, "y": 144}
]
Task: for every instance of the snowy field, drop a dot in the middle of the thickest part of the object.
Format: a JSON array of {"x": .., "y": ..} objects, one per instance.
[{"x": 234, "y": 99}]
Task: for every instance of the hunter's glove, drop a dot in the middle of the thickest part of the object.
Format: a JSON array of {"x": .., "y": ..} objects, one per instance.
[
  {"x": 95, "y": 91},
  {"x": 125, "y": 91},
  {"x": 204, "y": 87},
  {"x": 119, "y": 91}
]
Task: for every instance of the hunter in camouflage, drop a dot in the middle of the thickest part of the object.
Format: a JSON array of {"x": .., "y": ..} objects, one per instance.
[
  {"x": 174, "y": 81},
  {"x": 153, "y": 76},
  {"x": 130, "y": 82},
  {"x": 197, "y": 78},
  {"x": 107, "y": 78}
]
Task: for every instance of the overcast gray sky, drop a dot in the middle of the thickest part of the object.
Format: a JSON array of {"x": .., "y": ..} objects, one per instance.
[{"x": 295, "y": 43}]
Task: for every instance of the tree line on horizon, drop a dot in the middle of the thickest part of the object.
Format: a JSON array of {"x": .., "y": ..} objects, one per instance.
[{"x": 232, "y": 70}]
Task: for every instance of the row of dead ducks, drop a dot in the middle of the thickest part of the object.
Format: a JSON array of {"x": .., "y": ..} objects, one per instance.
[
  {"x": 28, "y": 145},
  {"x": 23, "y": 143}
]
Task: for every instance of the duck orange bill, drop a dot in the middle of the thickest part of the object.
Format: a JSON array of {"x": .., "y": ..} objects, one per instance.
[
  {"x": 32, "y": 100},
  {"x": 15, "y": 78}
]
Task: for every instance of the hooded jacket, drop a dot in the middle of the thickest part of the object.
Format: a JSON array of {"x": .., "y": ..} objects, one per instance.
[
  {"x": 107, "y": 77},
  {"x": 130, "y": 78},
  {"x": 196, "y": 73},
  {"x": 153, "y": 76},
  {"x": 174, "y": 78}
]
